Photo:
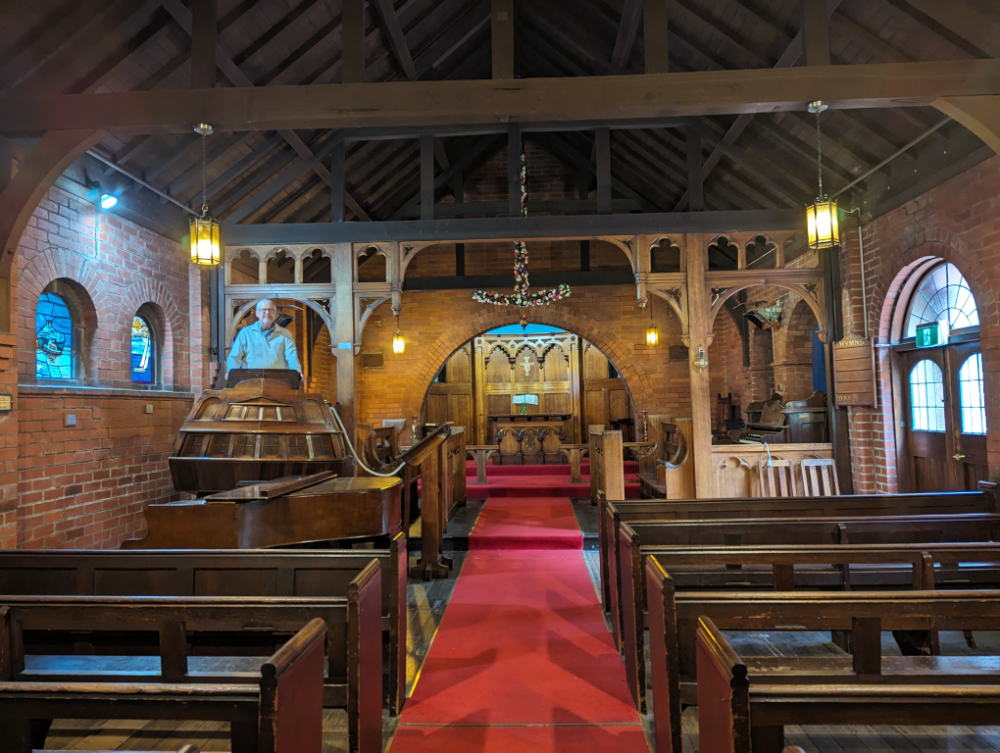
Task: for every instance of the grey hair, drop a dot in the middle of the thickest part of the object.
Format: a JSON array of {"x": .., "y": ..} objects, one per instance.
[{"x": 262, "y": 301}]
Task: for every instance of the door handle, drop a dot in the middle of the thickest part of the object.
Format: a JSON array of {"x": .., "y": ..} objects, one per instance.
[{"x": 957, "y": 456}]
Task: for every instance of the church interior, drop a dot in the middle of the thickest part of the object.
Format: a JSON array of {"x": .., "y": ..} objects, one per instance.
[{"x": 481, "y": 376}]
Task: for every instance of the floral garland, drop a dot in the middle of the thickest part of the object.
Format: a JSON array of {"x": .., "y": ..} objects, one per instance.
[{"x": 521, "y": 297}]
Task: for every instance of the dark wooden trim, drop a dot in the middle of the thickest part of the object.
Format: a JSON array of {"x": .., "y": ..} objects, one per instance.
[
  {"x": 631, "y": 14},
  {"x": 502, "y": 38},
  {"x": 427, "y": 177},
  {"x": 602, "y": 149},
  {"x": 815, "y": 32},
  {"x": 338, "y": 185},
  {"x": 696, "y": 188},
  {"x": 514, "y": 151}
]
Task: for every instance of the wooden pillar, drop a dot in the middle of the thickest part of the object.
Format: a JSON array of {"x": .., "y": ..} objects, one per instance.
[
  {"x": 815, "y": 32},
  {"x": 655, "y": 36},
  {"x": 427, "y": 177},
  {"x": 204, "y": 36},
  {"x": 699, "y": 302},
  {"x": 343, "y": 335},
  {"x": 338, "y": 156},
  {"x": 602, "y": 147},
  {"x": 502, "y": 38},
  {"x": 352, "y": 42}
]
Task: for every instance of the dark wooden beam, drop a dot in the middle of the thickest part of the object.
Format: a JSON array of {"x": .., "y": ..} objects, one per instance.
[
  {"x": 513, "y": 228},
  {"x": 514, "y": 151},
  {"x": 696, "y": 189},
  {"x": 500, "y": 208},
  {"x": 502, "y": 38},
  {"x": 602, "y": 148},
  {"x": 655, "y": 36},
  {"x": 397, "y": 41},
  {"x": 964, "y": 27},
  {"x": 452, "y": 38},
  {"x": 352, "y": 42},
  {"x": 627, "y": 28},
  {"x": 427, "y": 177},
  {"x": 815, "y": 32},
  {"x": 565, "y": 100},
  {"x": 204, "y": 38},
  {"x": 338, "y": 159}
]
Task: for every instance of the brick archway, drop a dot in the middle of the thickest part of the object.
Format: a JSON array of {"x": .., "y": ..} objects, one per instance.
[
  {"x": 636, "y": 383},
  {"x": 875, "y": 436}
]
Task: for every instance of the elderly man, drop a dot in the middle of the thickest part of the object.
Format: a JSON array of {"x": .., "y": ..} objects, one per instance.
[{"x": 264, "y": 344}]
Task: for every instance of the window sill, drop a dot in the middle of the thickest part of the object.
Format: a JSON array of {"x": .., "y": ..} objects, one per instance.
[{"x": 81, "y": 391}]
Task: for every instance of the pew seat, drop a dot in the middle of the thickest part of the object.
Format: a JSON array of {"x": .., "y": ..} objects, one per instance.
[
  {"x": 281, "y": 710},
  {"x": 743, "y": 705}
]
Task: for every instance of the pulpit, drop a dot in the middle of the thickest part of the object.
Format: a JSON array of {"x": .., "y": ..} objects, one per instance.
[{"x": 530, "y": 439}]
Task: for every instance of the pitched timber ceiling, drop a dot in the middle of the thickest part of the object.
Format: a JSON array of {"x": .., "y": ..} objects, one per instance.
[{"x": 876, "y": 159}]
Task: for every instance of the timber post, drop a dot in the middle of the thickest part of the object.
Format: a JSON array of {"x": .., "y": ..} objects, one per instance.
[{"x": 699, "y": 325}]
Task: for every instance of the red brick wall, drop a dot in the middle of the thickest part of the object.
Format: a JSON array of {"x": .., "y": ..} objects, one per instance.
[
  {"x": 793, "y": 375},
  {"x": 85, "y": 486},
  {"x": 959, "y": 222},
  {"x": 725, "y": 364},
  {"x": 434, "y": 324}
]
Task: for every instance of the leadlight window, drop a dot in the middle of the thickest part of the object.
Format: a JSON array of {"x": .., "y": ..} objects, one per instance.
[
  {"x": 943, "y": 294},
  {"x": 55, "y": 349},
  {"x": 927, "y": 396},
  {"x": 972, "y": 399},
  {"x": 143, "y": 351}
]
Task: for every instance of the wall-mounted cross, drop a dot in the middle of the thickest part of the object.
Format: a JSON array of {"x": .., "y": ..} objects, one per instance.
[{"x": 526, "y": 365}]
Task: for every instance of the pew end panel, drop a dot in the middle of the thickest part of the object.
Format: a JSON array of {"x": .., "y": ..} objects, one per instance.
[
  {"x": 723, "y": 694},
  {"x": 663, "y": 658},
  {"x": 364, "y": 661},
  {"x": 632, "y": 603},
  {"x": 291, "y": 703}
]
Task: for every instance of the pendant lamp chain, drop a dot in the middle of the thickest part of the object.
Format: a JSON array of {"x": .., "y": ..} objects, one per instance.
[
  {"x": 819, "y": 155},
  {"x": 204, "y": 170}
]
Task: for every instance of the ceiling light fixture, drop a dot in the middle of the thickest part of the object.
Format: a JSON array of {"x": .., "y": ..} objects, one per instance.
[
  {"x": 205, "y": 248},
  {"x": 821, "y": 216}
]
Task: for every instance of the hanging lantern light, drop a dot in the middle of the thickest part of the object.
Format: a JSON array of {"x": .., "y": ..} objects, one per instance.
[
  {"x": 206, "y": 250},
  {"x": 398, "y": 343},
  {"x": 700, "y": 360},
  {"x": 652, "y": 333},
  {"x": 821, "y": 216}
]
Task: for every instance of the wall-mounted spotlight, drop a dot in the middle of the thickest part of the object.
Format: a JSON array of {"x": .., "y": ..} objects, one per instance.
[{"x": 108, "y": 201}]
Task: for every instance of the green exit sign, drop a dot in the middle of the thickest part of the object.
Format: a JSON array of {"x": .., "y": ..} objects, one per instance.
[{"x": 931, "y": 335}]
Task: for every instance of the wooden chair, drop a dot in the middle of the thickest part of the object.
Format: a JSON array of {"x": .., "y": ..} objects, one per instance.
[
  {"x": 776, "y": 478},
  {"x": 819, "y": 478}
]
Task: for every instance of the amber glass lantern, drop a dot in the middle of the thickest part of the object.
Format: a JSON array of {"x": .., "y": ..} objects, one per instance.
[{"x": 205, "y": 248}]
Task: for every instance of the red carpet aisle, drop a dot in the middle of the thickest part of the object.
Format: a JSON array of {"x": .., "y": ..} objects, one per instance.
[{"x": 522, "y": 660}]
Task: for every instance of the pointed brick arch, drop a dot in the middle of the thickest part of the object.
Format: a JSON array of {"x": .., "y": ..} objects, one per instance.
[{"x": 489, "y": 318}]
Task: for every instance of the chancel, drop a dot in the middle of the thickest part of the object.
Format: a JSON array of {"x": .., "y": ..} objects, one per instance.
[{"x": 397, "y": 377}]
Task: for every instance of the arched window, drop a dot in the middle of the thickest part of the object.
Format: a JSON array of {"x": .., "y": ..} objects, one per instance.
[
  {"x": 943, "y": 294},
  {"x": 143, "y": 351},
  {"x": 55, "y": 344},
  {"x": 927, "y": 396},
  {"x": 972, "y": 399}
]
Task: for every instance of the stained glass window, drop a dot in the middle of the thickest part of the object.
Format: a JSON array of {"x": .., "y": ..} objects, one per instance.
[
  {"x": 943, "y": 294},
  {"x": 143, "y": 351},
  {"x": 971, "y": 395},
  {"x": 927, "y": 396},
  {"x": 55, "y": 356}
]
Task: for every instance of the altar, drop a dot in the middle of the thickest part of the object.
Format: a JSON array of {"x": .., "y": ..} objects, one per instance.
[{"x": 530, "y": 439}]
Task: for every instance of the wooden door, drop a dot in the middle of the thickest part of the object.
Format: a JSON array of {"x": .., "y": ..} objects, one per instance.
[
  {"x": 943, "y": 419},
  {"x": 967, "y": 414}
]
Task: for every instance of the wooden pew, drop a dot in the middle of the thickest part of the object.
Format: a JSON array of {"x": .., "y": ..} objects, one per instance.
[
  {"x": 673, "y": 622},
  {"x": 887, "y": 529},
  {"x": 639, "y": 540},
  {"x": 126, "y": 632},
  {"x": 610, "y": 512},
  {"x": 276, "y": 708},
  {"x": 218, "y": 572},
  {"x": 744, "y": 705}
]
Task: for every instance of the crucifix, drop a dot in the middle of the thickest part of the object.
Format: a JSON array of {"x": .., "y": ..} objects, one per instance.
[{"x": 526, "y": 365}]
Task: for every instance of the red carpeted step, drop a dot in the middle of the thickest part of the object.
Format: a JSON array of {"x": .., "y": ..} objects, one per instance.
[
  {"x": 526, "y": 523},
  {"x": 533, "y": 486},
  {"x": 521, "y": 471}
]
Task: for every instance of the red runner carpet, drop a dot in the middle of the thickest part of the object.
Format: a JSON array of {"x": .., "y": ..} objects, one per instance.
[{"x": 522, "y": 660}]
